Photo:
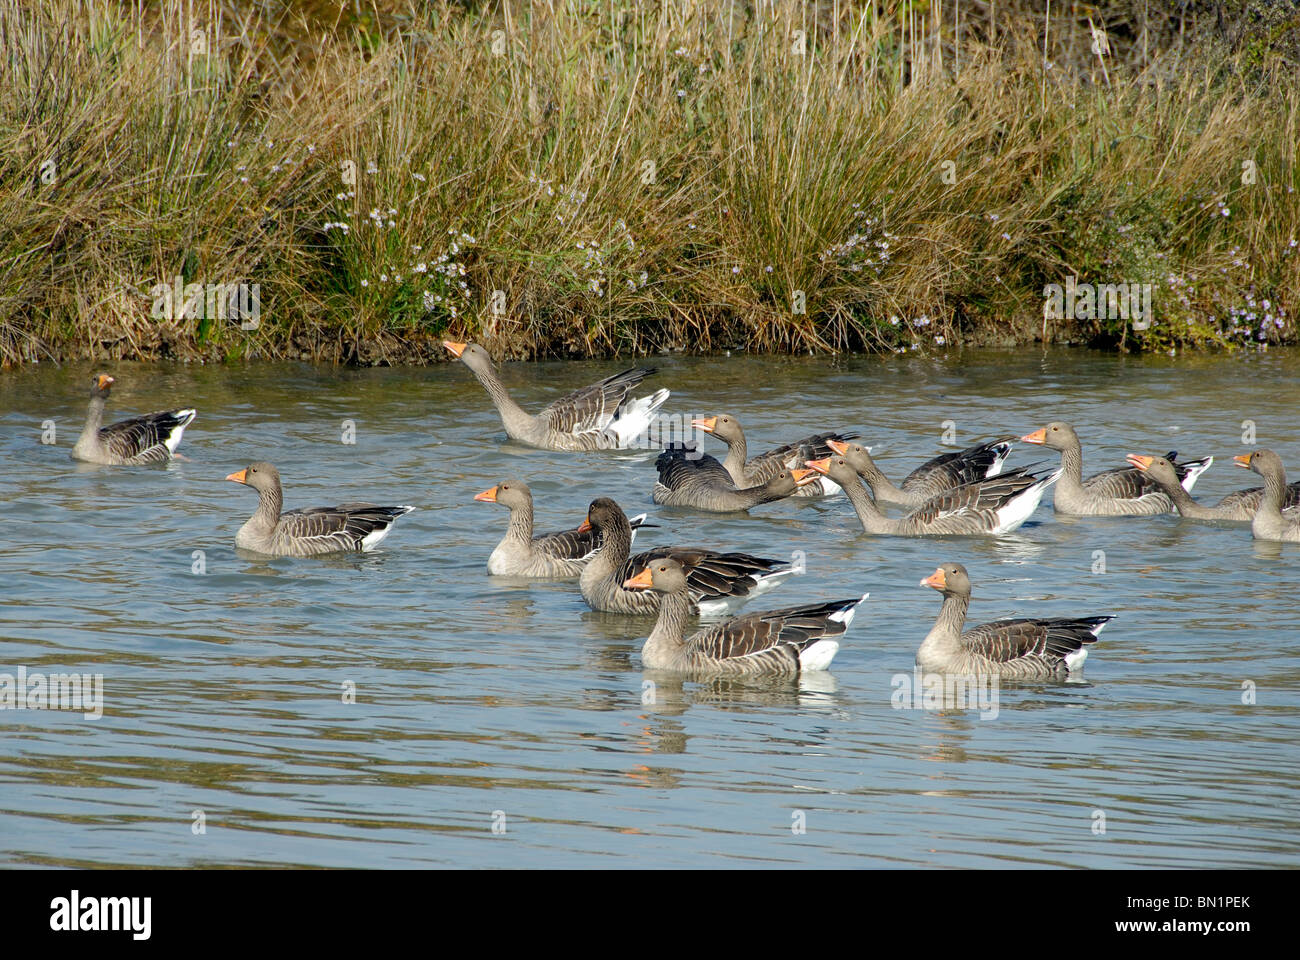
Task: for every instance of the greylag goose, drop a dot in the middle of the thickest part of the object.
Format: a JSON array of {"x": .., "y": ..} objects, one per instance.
[
  {"x": 552, "y": 555},
  {"x": 745, "y": 472},
  {"x": 148, "y": 439},
  {"x": 688, "y": 478},
  {"x": 1019, "y": 649},
  {"x": 1239, "y": 505},
  {"x": 944, "y": 472},
  {"x": 778, "y": 642},
  {"x": 718, "y": 583},
  {"x": 598, "y": 417},
  {"x": 1269, "y": 523},
  {"x": 315, "y": 530},
  {"x": 988, "y": 507},
  {"x": 1124, "y": 492}
]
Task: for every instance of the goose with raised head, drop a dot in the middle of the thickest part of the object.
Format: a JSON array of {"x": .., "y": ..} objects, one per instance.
[
  {"x": 774, "y": 642},
  {"x": 1269, "y": 522},
  {"x": 597, "y": 417},
  {"x": 944, "y": 472},
  {"x": 688, "y": 478},
  {"x": 1240, "y": 505},
  {"x": 1122, "y": 492},
  {"x": 149, "y": 439},
  {"x": 552, "y": 555},
  {"x": 311, "y": 531},
  {"x": 747, "y": 472},
  {"x": 986, "y": 508},
  {"x": 1015, "y": 649},
  {"x": 718, "y": 583}
]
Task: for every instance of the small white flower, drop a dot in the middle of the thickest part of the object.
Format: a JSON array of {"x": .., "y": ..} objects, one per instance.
[
  {"x": 768, "y": 268},
  {"x": 311, "y": 148},
  {"x": 680, "y": 94},
  {"x": 371, "y": 168},
  {"x": 383, "y": 278},
  {"x": 365, "y": 283},
  {"x": 735, "y": 269}
]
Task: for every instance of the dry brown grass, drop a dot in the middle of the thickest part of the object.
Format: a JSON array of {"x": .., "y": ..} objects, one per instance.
[{"x": 633, "y": 178}]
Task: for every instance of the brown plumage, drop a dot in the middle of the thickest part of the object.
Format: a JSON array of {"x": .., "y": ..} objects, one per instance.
[
  {"x": 1122, "y": 492},
  {"x": 552, "y": 555},
  {"x": 596, "y": 417},
  {"x": 1240, "y": 505},
  {"x": 148, "y": 439},
  {"x": 938, "y": 475},
  {"x": 751, "y": 472},
  {"x": 783, "y": 641},
  {"x": 311, "y": 531},
  {"x": 1269, "y": 522},
  {"x": 1016, "y": 649},
  {"x": 718, "y": 582},
  {"x": 688, "y": 478}
]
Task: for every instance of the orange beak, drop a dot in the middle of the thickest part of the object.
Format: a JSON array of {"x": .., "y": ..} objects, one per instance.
[
  {"x": 821, "y": 466},
  {"x": 707, "y": 424},
  {"x": 240, "y": 477},
  {"x": 1243, "y": 460},
  {"x": 1140, "y": 462},
  {"x": 641, "y": 581},
  {"x": 487, "y": 496},
  {"x": 839, "y": 446},
  {"x": 105, "y": 381},
  {"x": 456, "y": 348},
  {"x": 936, "y": 580},
  {"x": 803, "y": 477},
  {"x": 1038, "y": 436},
  {"x": 585, "y": 525}
]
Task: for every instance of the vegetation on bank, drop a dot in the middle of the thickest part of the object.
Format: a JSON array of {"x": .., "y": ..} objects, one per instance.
[{"x": 583, "y": 179}]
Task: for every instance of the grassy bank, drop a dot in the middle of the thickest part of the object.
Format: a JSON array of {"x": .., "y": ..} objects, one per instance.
[{"x": 585, "y": 179}]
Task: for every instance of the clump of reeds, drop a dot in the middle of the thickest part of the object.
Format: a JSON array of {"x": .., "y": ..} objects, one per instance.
[{"x": 577, "y": 179}]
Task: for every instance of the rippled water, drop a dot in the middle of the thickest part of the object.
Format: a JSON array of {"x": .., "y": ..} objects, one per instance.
[{"x": 483, "y": 702}]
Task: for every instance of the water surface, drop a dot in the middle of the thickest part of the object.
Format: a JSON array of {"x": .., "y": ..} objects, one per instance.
[{"x": 482, "y": 702}]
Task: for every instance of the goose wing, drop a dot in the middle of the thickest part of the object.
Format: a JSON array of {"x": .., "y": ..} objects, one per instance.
[
  {"x": 590, "y": 409},
  {"x": 960, "y": 467},
  {"x": 767, "y": 465},
  {"x": 1005, "y": 641},
  {"x": 146, "y": 439},
  {"x": 791, "y": 628},
  {"x": 681, "y": 466},
  {"x": 344, "y": 527},
  {"x": 709, "y": 575}
]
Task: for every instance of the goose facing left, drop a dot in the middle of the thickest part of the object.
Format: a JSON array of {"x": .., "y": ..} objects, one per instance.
[
  {"x": 311, "y": 531},
  {"x": 148, "y": 439},
  {"x": 597, "y": 417},
  {"x": 781, "y": 642}
]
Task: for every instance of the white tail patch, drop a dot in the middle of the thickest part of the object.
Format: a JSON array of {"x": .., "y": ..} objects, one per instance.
[
  {"x": 846, "y": 615},
  {"x": 765, "y": 582},
  {"x": 818, "y": 654},
  {"x": 1021, "y": 507},
  {"x": 639, "y": 518},
  {"x": 996, "y": 466},
  {"x": 1074, "y": 660},
  {"x": 1195, "y": 471},
  {"x": 372, "y": 538},
  {"x": 174, "y": 438},
  {"x": 636, "y": 417}
]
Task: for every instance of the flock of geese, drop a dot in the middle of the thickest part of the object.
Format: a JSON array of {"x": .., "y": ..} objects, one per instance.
[{"x": 964, "y": 493}]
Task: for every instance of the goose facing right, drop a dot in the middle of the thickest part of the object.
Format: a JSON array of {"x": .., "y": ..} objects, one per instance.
[
  {"x": 1016, "y": 649},
  {"x": 688, "y": 478},
  {"x": 1269, "y": 523},
  {"x": 307, "y": 532},
  {"x": 774, "y": 642},
  {"x": 149, "y": 439},
  {"x": 596, "y": 417}
]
